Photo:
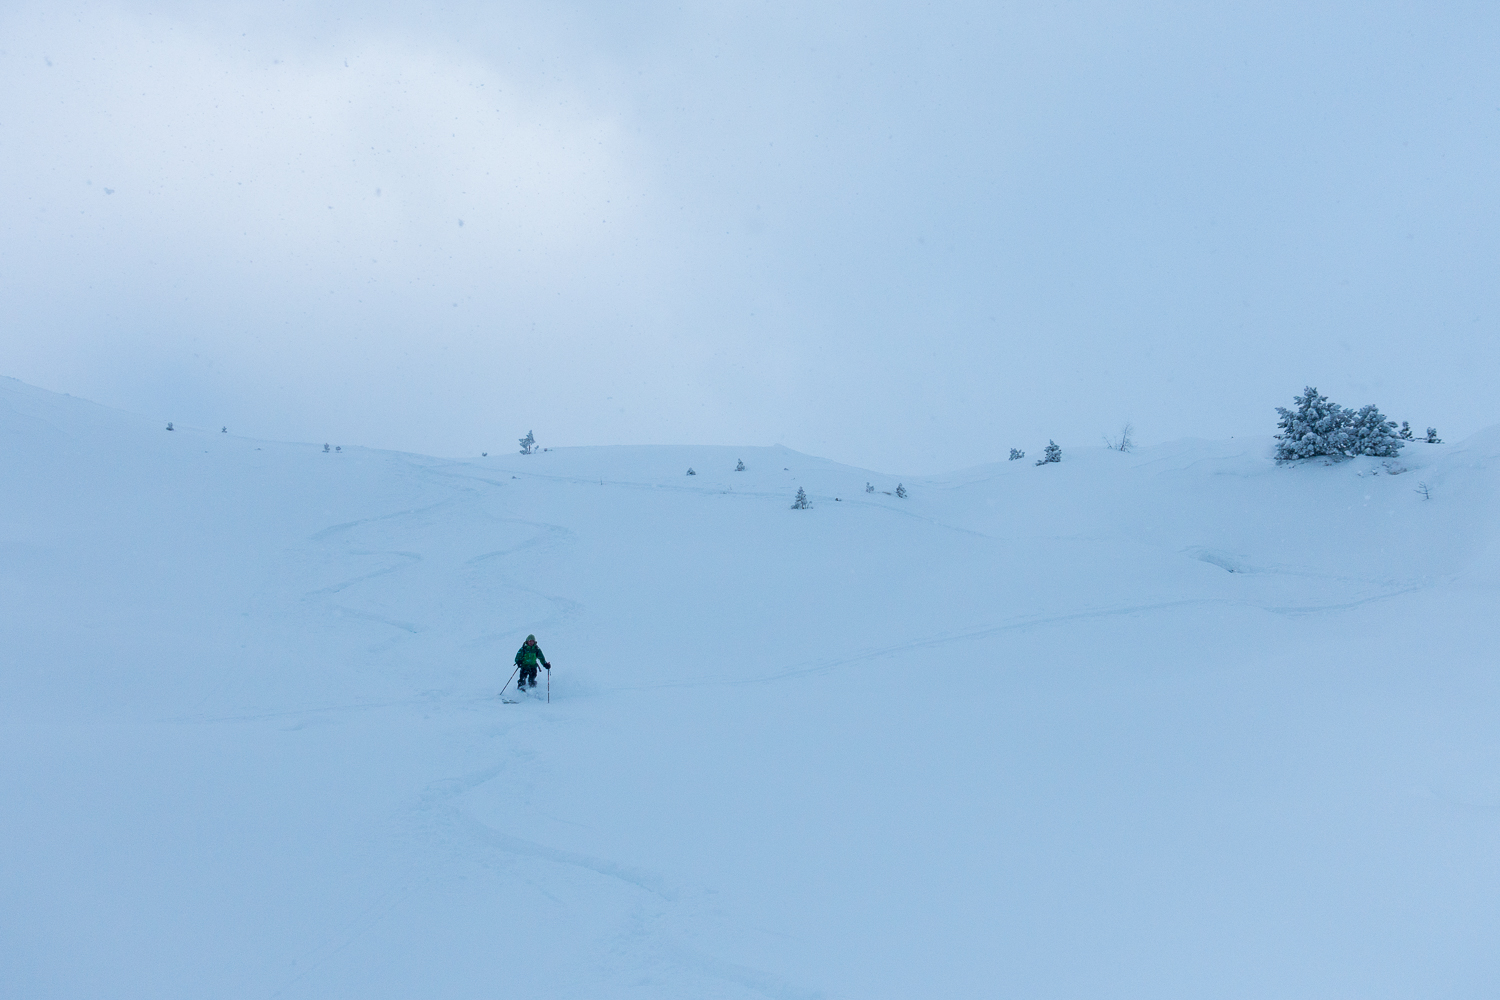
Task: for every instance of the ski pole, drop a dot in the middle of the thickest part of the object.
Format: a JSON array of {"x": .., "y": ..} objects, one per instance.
[
  {"x": 510, "y": 678},
  {"x": 549, "y": 684}
]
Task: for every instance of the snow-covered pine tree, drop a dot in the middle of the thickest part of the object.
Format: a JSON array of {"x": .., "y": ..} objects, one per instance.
[
  {"x": 528, "y": 444},
  {"x": 1406, "y": 434},
  {"x": 223, "y": 430},
  {"x": 325, "y": 449},
  {"x": 169, "y": 425},
  {"x": 1016, "y": 453},
  {"x": 1315, "y": 427},
  {"x": 1052, "y": 453},
  {"x": 869, "y": 488},
  {"x": 1371, "y": 434},
  {"x": 690, "y": 471},
  {"x": 801, "y": 503},
  {"x": 739, "y": 466},
  {"x": 901, "y": 491},
  {"x": 1432, "y": 437}
]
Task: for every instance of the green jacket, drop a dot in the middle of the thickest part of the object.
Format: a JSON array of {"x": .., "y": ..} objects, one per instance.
[{"x": 529, "y": 654}]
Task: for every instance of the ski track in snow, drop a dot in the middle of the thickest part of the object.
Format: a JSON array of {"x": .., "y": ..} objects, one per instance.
[
  {"x": 1020, "y": 625},
  {"x": 756, "y": 981},
  {"x": 409, "y": 559}
]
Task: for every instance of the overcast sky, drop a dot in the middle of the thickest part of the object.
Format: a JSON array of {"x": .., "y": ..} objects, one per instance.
[{"x": 907, "y": 237}]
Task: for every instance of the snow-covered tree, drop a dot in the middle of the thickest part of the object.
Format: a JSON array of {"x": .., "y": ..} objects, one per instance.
[
  {"x": 1432, "y": 437},
  {"x": 325, "y": 449},
  {"x": 223, "y": 430},
  {"x": 801, "y": 503},
  {"x": 1315, "y": 427},
  {"x": 1371, "y": 434},
  {"x": 1406, "y": 434},
  {"x": 1016, "y": 453},
  {"x": 169, "y": 425},
  {"x": 1319, "y": 427},
  {"x": 1052, "y": 453},
  {"x": 739, "y": 466},
  {"x": 528, "y": 444},
  {"x": 690, "y": 471},
  {"x": 869, "y": 488},
  {"x": 901, "y": 491}
]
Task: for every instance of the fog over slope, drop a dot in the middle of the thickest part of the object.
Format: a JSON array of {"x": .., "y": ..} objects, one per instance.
[
  {"x": 1175, "y": 723},
  {"x": 905, "y": 237}
]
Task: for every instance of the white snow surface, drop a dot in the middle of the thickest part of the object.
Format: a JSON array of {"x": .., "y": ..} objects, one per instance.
[{"x": 1175, "y": 723}]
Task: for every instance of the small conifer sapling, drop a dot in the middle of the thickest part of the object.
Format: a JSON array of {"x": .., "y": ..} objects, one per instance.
[
  {"x": 801, "y": 503},
  {"x": 1052, "y": 453},
  {"x": 739, "y": 466},
  {"x": 901, "y": 491},
  {"x": 1016, "y": 453}
]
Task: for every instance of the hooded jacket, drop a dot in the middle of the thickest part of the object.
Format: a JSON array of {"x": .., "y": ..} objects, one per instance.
[{"x": 530, "y": 653}]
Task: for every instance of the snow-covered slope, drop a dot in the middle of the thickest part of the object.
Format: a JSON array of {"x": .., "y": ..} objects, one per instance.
[{"x": 1179, "y": 723}]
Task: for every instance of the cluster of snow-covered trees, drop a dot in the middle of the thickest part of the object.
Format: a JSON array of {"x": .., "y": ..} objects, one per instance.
[
  {"x": 1317, "y": 426},
  {"x": 1051, "y": 453}
]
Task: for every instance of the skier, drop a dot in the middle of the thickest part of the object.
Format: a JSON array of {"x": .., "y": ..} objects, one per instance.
[{"x": 526, "y": 658}]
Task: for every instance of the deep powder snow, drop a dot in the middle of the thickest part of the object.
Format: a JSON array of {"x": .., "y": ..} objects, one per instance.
[{"x": 1176, "y": 723}]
